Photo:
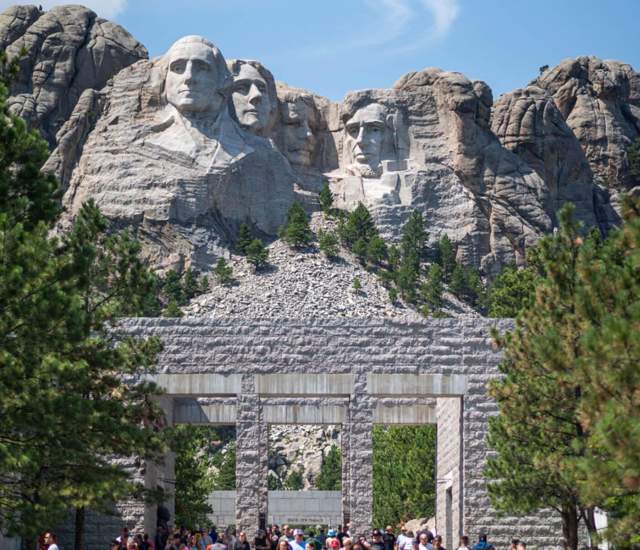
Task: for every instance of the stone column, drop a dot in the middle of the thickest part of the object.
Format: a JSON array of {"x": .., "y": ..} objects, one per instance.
[
  {"x": 345, "y": 438},
  {"x": 250, "y": 479},
  {"x": 162, "y": 476},
  {"x": 264, "y": 469},
  {"x": 361, "y": 456}
]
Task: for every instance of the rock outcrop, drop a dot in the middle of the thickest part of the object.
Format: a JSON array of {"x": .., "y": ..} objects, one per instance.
[
  {"x": 68, "y": 50},
  {"x": 600, "y": 102},
  {"x": 490, "y": 175}
]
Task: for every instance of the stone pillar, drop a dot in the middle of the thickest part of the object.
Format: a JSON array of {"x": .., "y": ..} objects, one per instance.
[
  {"x": 449, "y": 492},
  {"x": 264, "y": 470},
  {"x": 345, "y": 479},
  {"x": 360, "y": 435},
  {"x": 250, "y": 479},
  {"x": 163, "y": 476}
]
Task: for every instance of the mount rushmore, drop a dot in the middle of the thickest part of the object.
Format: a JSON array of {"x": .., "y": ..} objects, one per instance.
[{"x": 185, "y": 147}]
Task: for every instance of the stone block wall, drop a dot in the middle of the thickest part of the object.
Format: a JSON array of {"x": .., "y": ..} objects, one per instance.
[{"x": 443, "y": 354}]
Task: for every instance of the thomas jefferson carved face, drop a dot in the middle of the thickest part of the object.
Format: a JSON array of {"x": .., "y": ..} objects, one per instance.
[
  {"x": 251, "y": 100},
  {"x": 364, "y": 136},
  {"x": 192, "y": 79},
  {"x": 299, "y": 141}
]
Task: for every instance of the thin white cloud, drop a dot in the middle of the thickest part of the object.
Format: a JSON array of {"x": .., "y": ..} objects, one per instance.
[
  {"x": 444, "y": 13},
  {"x": 394, "y": 27},
  {"x": 104, "y": 8}
]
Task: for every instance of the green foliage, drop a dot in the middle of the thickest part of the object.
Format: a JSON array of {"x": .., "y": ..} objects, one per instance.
[
  {"x": 330, "y": 476},
  {"x": 393, "y": 295},
  {"x": 457, "y": 280},
  {"x": 223, "y": 272},
  {"x": 358, "y": 226},
  {"x": 63, "y": 366},
  {"x": 200, "y": 468},
  {"x": 359, "y": 250},
  {"x": 376, "y": 251},
  {"x": 446, "y": 257},
  {"x": 538, "y": 436},
  {"x": 226, "y": 478},
  {"x": 326, "y": 199},
  {"x": 512, "y": 291},
  {"x": 244, "y": 238},
  {"x": 274, "y": 483},
  {"x": 432, "y": 288},
  {"x": 393, "y": 257},
  {"x": 176, "y": 290},
  {"x": 414, "y": 237},
  {"x": 328, "y": 243},
  {"x": 295, "y": 480},
  {"x": 404, "y": 473},
  {"x": 257, "y": 254},
  {"x": 63, "y": 362},
  {"x": 608, "y": 305},
  {"x": 296, "y": 232},
  {"x": 633, "y": 157},
  {"x": 357, "y": 285}
]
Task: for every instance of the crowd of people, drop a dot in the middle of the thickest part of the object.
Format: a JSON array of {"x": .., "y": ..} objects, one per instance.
[{"x": 288, "y": 538}]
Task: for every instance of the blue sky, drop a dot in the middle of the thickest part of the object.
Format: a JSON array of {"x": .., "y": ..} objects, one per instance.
[{"x": 333, "y": 46}]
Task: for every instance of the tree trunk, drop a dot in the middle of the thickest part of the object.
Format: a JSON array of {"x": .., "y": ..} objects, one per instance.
[
  {"x": 79, "y": 535},
  {"x": 590, "y": 522},
  {"x": 570, "y": 528}
]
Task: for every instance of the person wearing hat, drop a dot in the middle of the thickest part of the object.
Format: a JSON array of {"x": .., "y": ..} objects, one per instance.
[
  {"x": 331, "y": 534},
  {"x": 298, "y": 540}
]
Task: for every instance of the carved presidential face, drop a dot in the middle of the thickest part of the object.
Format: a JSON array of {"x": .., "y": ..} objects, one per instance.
[
  {"x": 251, "y": 100},
  {"x": 364, "y": 136},
  {"x": 192, "y": 80},
  {"x": 299, "y": 141}
]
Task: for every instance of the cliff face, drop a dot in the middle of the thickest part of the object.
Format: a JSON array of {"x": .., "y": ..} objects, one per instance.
[
  {"x": 62, "y": 52},
  {"x": 489, "y": 174}
]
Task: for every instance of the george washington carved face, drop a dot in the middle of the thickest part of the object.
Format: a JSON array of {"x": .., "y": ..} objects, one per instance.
[{"x": 194, "y": 77}]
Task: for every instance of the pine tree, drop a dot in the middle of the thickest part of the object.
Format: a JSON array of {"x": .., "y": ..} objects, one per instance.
[
  {"x": 537, "y": 435},
  {"x": 446, "y": 257},
  {"x": 404, "y": 473},
  {"x": 359, "y": 250},
  {"x": 63, "y": 360},
  {"x": 296, "y": 232},
  {"x": 295, "y": 480},
  {"x": 608, "y": 375},
  {"x": 432, "y": 288},
  {"x": 457, "y": 281},
  {"x": 376, "y": 251},
  {"x": 226, "y": 478},
  {"x": 257, "y": 254},
  {"x": 414, "y": 237},
  {"x": 330, "y": 476},
  {"x": 359, "y": 225},
  {"x": 357, "y": 285},
  {"x": 326, "y": 199},
  {"x": 223, "y": 272},
  {"x": 328, "y": 243},
  {"x": 512, "y": 291},
  {"x": 244, "y": 238}
]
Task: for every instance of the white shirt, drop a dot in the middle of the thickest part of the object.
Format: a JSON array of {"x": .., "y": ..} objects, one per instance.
[
  {"x": 404, "y": 542},
  {"x": 54, "y": 546}
]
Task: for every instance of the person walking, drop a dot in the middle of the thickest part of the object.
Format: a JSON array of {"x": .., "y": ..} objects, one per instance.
[{"x": 51, "y": 540}]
